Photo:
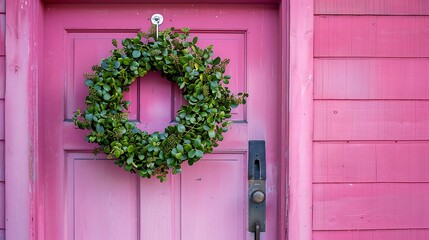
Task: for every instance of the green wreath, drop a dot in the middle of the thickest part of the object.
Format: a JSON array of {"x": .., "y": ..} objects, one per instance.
[{"x": 200, "y": 124}]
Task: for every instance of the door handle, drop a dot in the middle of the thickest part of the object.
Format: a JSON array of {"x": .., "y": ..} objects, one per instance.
[
  {"x": 257, "y": 231},
  {"x": 256, "y": 191}
]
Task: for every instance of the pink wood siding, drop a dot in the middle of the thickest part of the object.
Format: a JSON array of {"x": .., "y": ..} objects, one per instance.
[
  {"x": 371, "y": 36},
  {"x": 371, "y": 120},
  {"x": 2, "y": 111},
  {"x": 365, "y": 78},
  {"x": 372, "y": 7}
]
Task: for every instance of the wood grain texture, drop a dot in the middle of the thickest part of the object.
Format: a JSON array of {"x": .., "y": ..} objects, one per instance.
[
  {"x": 219, "y": 212},
  {"x": 371, "y": 120},
  {"x": 371, "y": 36},
  {"x": 112, "y": 211},
  {"x": 371, "y": 162},
  {"x": 23, "y": 24},
  {"x": 215, "y": 215},
  {"x": 372, "y": 7},
  {"x": 154, "y": 99},
  {"x": 301, "y": 119},
  {"x": 2, "y": 162},
  {"x": 2, "y": 77},
  {"x": 370, "y": 206},
  {"x": 2, "y": 206},
  {"x": 409, "y": 234},
  {"x": 2, "y": 119},
  {"x": 86, "y": 48},
  {"x": 2, "y": 34},
  {"x": 370, "y": 85},
  {"x": 342, "y": 162},
  {"x": 159, "y": 208},
  {"x": 368, "y": 78}
]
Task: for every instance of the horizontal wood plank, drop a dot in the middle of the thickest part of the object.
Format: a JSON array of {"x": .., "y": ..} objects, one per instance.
[
  {"x": 372, "y": 7},
  {"x": 371, "y": 36},
  {"x": 2, "y": 77},
  {"x": 370, "y": 206},
  {"x": 367, "y": 78},
  {"x": 2, "y": 34},
  {"x": 342, "y": 162},
  {"x": 2, "y": 155},
  {"x": 2, "y": 206},
  {"x": 371, "y": 120},
  {"x": 2, "y": 112},
  {"x": 338, "y": 162},
  {"x": 408, "y": 234}
]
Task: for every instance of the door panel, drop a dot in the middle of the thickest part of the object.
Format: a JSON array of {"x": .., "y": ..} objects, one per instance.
[
  {"x": 87, "y": 196},
  {"x": 103, "y": 199}
]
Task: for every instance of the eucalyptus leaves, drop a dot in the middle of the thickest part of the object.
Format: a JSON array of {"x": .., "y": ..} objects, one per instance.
[{"x": 200, "y": 124}]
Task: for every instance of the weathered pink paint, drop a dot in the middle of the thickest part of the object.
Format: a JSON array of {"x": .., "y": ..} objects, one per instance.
[
  {"x": 25, "y": 17},
  {"x": 207, "y": 201},
  {"x": 2, "y": 116},
  {"x": 2, "y": 6},
  {"x": 103, "y": 202},
  {"x": 409, "y": 234},
  {"x": 2, "y": 77},
  {"x": 372, "y": 7},
  {"x": 371, "y": 120},
  {"x": 370, "y": 206},
  {"x": 371, "y": 78},
  {"x": 283, "y": 179},
  {"x": 2, "y": 173},
  {"x": 300, "y": 120},
  {"x": 3, "y": 34},
  {"x": 336, "y": 162},
  {"x": 371, "y": 36},
  {"x": 21, "y": 147}
]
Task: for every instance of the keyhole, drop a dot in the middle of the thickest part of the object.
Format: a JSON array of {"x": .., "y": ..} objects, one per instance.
[{"x": 257, "y": 169}]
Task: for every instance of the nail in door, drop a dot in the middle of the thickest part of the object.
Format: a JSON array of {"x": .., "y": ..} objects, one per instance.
[{"x": 87, "y": 197}]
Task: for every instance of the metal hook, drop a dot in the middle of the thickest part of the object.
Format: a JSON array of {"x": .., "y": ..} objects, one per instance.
[{"x": 157, "y": 19}]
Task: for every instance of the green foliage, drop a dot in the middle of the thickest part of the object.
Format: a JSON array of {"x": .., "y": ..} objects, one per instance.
[{"x": 200, "y": 124}]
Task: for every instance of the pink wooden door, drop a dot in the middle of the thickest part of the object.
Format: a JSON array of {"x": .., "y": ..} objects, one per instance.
[{"x": 89, "y": 197}]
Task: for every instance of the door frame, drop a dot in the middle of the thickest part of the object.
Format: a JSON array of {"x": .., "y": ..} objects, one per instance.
[{"x": 24, "y": 68}]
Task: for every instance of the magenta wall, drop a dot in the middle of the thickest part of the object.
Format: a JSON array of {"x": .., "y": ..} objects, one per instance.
[{"x": 371, "y": 119}]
